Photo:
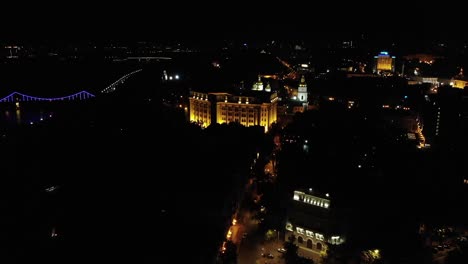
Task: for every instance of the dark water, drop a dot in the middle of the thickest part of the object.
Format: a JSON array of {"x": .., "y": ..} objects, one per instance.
[{"x": 129, "y": 180}]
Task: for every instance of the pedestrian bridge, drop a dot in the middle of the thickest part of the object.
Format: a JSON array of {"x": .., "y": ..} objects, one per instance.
[
  {"x": 83, "y": 95},
  {"x": 19, "y": 97}
]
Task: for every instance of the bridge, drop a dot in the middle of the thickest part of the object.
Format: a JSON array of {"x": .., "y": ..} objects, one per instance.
[
  {"x": 148, "y": 58},
  {"x": 83, "y": 95},
  {"x": 111, "y": 88},
  {"x": 19, "y": 97}
]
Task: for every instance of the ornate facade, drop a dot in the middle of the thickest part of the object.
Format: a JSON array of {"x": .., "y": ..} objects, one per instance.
[{"x": 254, "y": 108}]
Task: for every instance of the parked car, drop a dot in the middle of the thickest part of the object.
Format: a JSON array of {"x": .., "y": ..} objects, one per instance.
[{"x": 281, "y": 250}]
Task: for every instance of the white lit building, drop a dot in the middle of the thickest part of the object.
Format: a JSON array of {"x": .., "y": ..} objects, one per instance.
[
  {"x": 258, "y": 86},
  {"x": 313, "y": 222},
  {"x": 302, "y": 91}
]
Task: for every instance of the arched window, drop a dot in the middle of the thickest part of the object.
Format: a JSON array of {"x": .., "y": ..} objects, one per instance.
[
  {"x": 309, "y": 243},
  {"x": 319, "y": 246},
  {"x": 300, "y": 240}
]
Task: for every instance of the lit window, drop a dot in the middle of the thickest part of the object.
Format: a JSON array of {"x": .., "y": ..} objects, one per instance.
[
  {"x": 319, "y": 236},
  {"x": 299, "y": 230},
  {"x": 296, "y": 197}
]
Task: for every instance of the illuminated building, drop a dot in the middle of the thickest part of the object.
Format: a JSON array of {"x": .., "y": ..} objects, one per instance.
[
  {"x": 313, "y": 222},
  {"x": 299, "y": 96},
  {"x": 258, "y": 86},
  {"x": 384, "y": 63},
  {"x": 252, "y": 108},
  {"x": 442, "y": 116},
  {"x": 200, "y": 109},
  {"x": 459, "y": 83},
  {"x": 268, "y": 88},
  {"x": 302, "y": 90}
]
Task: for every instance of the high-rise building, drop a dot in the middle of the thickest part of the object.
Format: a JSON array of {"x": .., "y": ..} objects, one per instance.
[
  {"x": 384, "y": 63},
  {"x": 442, "y": 117}
]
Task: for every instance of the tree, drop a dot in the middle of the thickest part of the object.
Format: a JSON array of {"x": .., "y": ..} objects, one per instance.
[
  {"x": 459, "y": 255},
  {"x": 302, "y": 260},
  {"x": 270, "y": 235},
  {"x": 290, "y": 256}
]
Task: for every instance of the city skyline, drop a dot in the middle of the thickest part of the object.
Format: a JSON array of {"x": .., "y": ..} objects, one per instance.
[{"x": 286, "y": 142}]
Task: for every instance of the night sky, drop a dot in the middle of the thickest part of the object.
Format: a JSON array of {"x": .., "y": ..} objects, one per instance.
[
  {"x": 232, "y": 19},
  {"x": 172, "y": 201}
]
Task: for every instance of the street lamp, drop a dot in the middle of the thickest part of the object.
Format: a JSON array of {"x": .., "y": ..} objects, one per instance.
[{"x": 277, "y": 234}]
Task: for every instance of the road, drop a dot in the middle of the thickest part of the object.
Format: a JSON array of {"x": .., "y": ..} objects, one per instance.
[
  {"x": 254, "y": 246},
  {"x": 244, "y": 231},
  {"x": 439, "y": 257}
]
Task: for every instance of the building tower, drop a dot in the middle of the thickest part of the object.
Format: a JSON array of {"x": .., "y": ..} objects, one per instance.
[
  {"x": 268, "y": 88},
  {"x": 258, "y": 86},
  {"x": 302, "y": 91}
]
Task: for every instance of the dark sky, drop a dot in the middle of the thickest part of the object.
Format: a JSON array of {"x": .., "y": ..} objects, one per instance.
[{"x": 227, "y": 19}]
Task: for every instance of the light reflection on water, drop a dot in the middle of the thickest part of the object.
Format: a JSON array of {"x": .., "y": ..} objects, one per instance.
[
  {"x": 18, "y": 116},
  {"x": 24, "y": 116}
]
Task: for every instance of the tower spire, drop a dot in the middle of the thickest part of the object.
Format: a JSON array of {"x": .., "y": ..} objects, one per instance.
[
  {"x": 258, "y": 86},
  {"x": 268, "y": 87},
  {"x": 302, "y": 90}
]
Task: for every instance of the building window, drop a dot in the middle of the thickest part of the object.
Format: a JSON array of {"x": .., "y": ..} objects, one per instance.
[
  {"x": 309, "y": 233},
  {"x": 335, "y": 240},
  {"x": 309, "y": 243},
  {"x": 300, "y": 240},
  {"x": 299, "y": 230},
  {"x": 319, "y": 246},
  {"x": 319, "y": 236}
]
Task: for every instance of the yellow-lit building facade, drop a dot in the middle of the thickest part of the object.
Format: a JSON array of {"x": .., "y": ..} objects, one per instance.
[
  {"x": 384, "y": 63},
  {"x": 200, "y": 109},
  {"x": 459, "y": 83},
  {"x": 257, "y": 108}
]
